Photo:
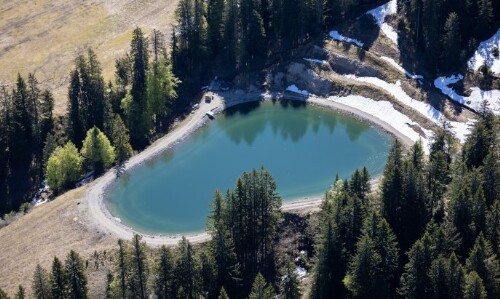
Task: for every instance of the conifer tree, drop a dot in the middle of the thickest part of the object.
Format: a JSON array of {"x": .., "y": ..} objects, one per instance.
[
  {"x": 164, "y": 280},
  {"x": 474, "y": 288},
  {"x": 484, "y": 17},
  {"x": 415, "y": 282},
  {"x": 451, "y": 41},
  {"x": 41, "y": 284},
  {"x": 491, "y": 177},
  {"x": 186, "y": 271},
  {"x": 362, "y": 274},
  {"x": 121, "y": 140},
  {"x": 260, "y": 289},
  {"x": 76, "y": 279},
  {"x": 391, "y": 185},
  {"x": 3, "y": 295},
  {"x": 223, "y": 294},
  {"x": 484, "y": 262},
  {"x": 138, "y": 116},
  {"x": 21, "y": 293},
  {"x": 227, "y": 268},
  {"x": 57, "y": 280},
  {"x": 493, "y": 226},
  {"x": 290, "y": 285},
  {"x": 215, "y": 21},
  {"x": 138, "y": 269},
  {"x": 119, "y": 285},
  {"x": 455, "y": 277}
]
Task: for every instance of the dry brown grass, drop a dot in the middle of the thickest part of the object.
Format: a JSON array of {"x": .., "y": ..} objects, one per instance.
[
  {"x": 45, "y": 36},
  {"x": 52, "y": 229}
]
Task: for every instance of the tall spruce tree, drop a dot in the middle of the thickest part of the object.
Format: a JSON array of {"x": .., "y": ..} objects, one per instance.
[
  {"x": 164, "y": 273},
  {"x": 485, "y": 263},
  {"x": 137, "y": 277},
  {"x": 41, "y": 283},
  {"x": 76, "y": 279},
  {"x": 57, "y": 280}
]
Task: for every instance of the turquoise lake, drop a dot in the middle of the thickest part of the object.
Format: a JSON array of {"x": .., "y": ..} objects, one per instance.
[{"x": 303, "y": 146}]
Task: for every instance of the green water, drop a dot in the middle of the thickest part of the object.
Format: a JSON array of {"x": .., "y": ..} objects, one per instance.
[{"x": 303, "y": 147}]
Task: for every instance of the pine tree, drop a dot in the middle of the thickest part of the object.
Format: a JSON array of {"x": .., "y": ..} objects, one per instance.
[
  {"x": 493, "y": 226},
  {"x": 21, "y": 293},
  {"x": 438, "y": 276},
  {"x": 186, "y": 271},
  {"x": 207, "y": 276},
  {"x": 474, "y": 288},
  {"x": 332, "y": 257},
  {"x": 391, "y": 185},
  {"x": 451, "y": 42},
  {"x": 120, "y": 140},
  {"x": 484, "y": 17},
  {"x": 57, "y": 280},
  {"x": 231, "y": 35},
  {"x": 41, "y": 284},
  {"x": 76, "y": 279},
  {"x": 362, "y": 274},
  {"x": 415, "y": 283},
  {"x": 491, "y": 177},
  {"x": 138, "y": 117},
  {"x": 46, "y": 114},
  {"x": 260, "y": 289},
  {"x": 22, "y": 139},
  {"x": 138, "y": 269},
  {"x": 222, "y": 246},
  {"x": 290, "y": 284},
  {"x": 119, "y": 283},
  {"x": 3, "y": 295},
  {"x": 76, "y": 129},
  {"x": 164, "y": 288},
  {"x": 484, "y": 262},
  {"x": 215, "y": 21},
  {"x": 223, "y": 294},
  {"x": 455, "y": 277}
]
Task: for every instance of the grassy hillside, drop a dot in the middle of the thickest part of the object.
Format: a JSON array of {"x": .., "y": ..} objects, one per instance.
[{"x": 45, "y": 36}]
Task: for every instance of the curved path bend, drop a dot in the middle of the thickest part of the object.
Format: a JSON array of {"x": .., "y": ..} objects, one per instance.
[{"x": 99, "y": 215}]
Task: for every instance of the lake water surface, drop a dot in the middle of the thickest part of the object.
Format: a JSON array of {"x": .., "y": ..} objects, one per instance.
[{"x": 303, "y": 147}]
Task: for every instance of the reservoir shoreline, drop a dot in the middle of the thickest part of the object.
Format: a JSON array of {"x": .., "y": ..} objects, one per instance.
[{"x": 101, "y": 218}]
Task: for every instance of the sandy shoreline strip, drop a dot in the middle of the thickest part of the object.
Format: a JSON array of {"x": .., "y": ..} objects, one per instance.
[{"x": 100, "y": 217}]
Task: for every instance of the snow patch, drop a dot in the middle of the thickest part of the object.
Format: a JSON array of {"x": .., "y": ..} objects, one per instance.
[
  {"x": 385, "y": 111},
  {"x": 379, "y": 13},
  {"x": 460, "y": 130},
  {"x": 401, "y": 69},
  {"x": 295, "y": 89},
  {"x": 301, "y": 272},
  {"x": 484, "y": 53},
  {"x": 315, "y": 60},
  {"x": 476, "y": 97},
  {"x": 337, "y": 36}
]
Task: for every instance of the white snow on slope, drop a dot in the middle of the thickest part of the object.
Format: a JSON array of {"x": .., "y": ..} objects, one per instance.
[
  {"x": 476, "y": 97},
  {"x": 315, "y": 60},
  {"x": 485, "y": 53},
  {"x": 294, "y": 88},
  {"x": 460, "y": 129},
  {"x": 337, "y": 36},
  {"x": 379, "y": 13},
  {"x": 386, "y": 112},
  {"x": 401, "y": 69}
]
